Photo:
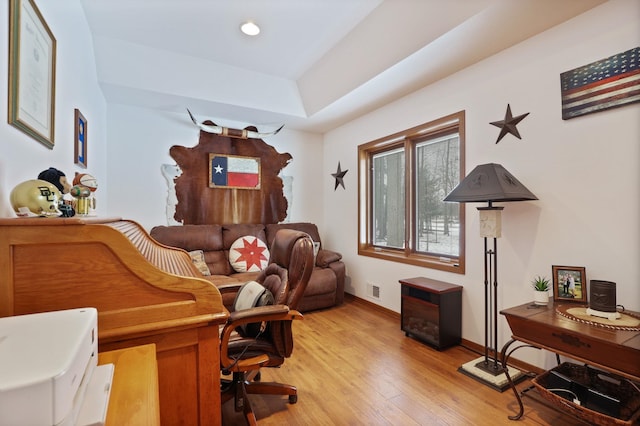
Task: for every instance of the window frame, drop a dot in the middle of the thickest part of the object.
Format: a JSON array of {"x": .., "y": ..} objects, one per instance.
[{"x": 408, "y": 139}]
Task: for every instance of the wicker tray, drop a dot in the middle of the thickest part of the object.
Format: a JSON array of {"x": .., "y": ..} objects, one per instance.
[{"x": 606, "y": 383}]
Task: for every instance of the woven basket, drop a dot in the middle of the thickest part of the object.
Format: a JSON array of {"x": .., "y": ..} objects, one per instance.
[{"x": 628, "y": 395}]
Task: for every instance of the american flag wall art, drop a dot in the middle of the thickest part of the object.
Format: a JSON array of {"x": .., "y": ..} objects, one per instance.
[
  {"x": 230, "y": 171},
  {"x": 604, "y": 84}
]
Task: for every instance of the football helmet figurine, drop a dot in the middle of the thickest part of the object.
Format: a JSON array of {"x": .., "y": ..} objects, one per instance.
[{"x": 36, "y": 198}]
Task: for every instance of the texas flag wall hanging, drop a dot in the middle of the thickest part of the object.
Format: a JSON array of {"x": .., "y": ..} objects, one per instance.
[{"x": 230, "y": 171}]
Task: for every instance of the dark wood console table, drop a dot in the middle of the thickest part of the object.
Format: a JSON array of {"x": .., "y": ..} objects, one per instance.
[{"x": 542, "y": 327}]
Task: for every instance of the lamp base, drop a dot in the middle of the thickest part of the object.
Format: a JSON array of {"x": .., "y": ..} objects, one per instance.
[
  {"x": 486, "y": 372},
  {"x": 490, "y": 366}
]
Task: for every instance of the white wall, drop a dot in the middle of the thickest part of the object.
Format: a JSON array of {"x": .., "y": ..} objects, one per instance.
[
  {"x": 585, "y": 171},
  {"x": 22, "y": 157},
  {"x": 139, "y": 143}
]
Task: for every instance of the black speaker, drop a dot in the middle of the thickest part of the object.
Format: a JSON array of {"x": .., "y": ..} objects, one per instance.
[{"x": 602, "y": 296}]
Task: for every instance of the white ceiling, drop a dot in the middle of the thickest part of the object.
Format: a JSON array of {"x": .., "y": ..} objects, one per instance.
[{"x": 316, "y": 63}]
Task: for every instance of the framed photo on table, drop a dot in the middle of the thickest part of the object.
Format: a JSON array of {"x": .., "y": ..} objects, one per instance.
[
  {"x": 569, "y": 283},
  {"x": 80, "y": 139},
  {"x": 32, "y": 72}
]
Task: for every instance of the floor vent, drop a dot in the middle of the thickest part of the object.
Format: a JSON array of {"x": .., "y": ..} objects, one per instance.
[{"x": 373, "y": 291}]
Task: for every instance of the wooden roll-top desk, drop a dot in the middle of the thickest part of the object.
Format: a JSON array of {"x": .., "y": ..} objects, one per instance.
[{"x": 144, "y": 292}]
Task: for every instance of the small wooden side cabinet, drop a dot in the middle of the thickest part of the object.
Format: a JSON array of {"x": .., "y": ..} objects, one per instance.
[
  {"x": 134, "y": 391},
  {"x": 431, "y": 311}
]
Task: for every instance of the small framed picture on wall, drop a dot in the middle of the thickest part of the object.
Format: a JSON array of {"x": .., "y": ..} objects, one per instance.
[
  {"x": 80, "y": 139},
  {"x": 569, "y": 283}
]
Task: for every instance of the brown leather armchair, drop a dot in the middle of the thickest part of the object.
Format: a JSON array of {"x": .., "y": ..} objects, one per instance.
[{"x": 286, "y": 276}]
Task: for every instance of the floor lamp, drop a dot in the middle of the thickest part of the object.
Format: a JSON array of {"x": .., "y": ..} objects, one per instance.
[{"x": 489, "y": 183}]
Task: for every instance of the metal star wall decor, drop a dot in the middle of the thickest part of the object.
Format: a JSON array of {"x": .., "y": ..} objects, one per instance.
[
  {"x": 508, "y": 125},
  {"x": 339, "y": 177}
]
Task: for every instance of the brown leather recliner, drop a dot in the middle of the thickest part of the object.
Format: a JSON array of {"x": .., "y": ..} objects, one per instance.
[{"x": 286, "y": 276}]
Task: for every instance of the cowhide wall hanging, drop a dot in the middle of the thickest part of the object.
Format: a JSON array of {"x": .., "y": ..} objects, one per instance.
[{"x": 208, "y": 194}]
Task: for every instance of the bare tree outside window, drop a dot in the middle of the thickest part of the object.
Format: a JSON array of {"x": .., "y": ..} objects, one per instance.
[
  {"x": 437, "y": 173},
  {"x": 388, "y": 198}
]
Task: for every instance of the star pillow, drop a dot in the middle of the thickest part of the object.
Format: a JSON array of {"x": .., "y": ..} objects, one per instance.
[{"x": 248, "y": 254}]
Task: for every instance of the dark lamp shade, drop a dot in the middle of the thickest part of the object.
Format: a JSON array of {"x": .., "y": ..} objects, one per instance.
[{"x": 490, "y": 182}]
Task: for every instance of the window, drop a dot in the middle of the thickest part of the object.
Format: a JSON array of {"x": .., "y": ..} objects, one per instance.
[{"x": 403, "y": 179}]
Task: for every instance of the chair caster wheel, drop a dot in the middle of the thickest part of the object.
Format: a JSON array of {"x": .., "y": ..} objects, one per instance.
[{"x": 293, "y": 399}]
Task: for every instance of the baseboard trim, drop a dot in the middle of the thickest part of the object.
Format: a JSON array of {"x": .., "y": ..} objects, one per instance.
[
  {"x": 372, "y": 306},
  {"x": 524, "y": 366},
  {"x": 472, "y": 346}
]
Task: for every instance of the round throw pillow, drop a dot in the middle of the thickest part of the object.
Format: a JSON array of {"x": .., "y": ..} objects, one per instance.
[{"x": 248, "y": 254}]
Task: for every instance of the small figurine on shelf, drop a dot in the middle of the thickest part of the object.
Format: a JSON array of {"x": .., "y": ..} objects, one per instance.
[
  {"x": 87, "y": 180},
  {"x": 59, "y": 180},
  {"x": 81, "y": 193},
  {"x": 84, "y": 185},
  {"x": 56, "y": 177}
]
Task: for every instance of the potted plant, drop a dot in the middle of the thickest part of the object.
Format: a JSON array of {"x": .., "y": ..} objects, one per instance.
[{"x": 540, "y": 290}]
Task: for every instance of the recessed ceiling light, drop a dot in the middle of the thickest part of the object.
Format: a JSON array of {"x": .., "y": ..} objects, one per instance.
[{"x": 250, "y": 28}]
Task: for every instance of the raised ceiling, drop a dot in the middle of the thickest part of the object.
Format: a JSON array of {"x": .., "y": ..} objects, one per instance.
[{"x": 316, "y": 63}]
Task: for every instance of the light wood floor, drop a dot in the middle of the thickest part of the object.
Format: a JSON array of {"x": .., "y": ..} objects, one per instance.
[{"x": 354, "y": 366}]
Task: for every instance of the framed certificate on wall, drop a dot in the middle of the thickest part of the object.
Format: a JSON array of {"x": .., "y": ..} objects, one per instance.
[{"x": 32, "y": 72}]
